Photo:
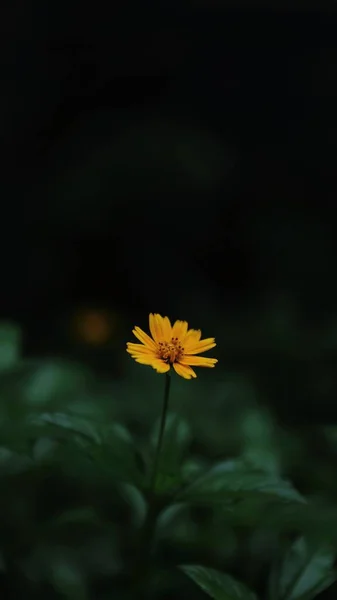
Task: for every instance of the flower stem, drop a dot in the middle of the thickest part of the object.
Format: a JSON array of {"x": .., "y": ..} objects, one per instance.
[
  {"x": 143, "y": 565},
  {"x": 161, "y": 433}
]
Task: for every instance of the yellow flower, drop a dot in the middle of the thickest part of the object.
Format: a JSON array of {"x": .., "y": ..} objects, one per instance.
[{"x": 169, "y": 345}]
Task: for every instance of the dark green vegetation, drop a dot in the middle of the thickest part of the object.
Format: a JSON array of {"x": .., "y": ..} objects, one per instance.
[{"x": 242, "y": 508}]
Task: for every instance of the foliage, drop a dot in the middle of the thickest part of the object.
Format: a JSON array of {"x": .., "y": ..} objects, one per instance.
[{"x": 240, "y": 511}]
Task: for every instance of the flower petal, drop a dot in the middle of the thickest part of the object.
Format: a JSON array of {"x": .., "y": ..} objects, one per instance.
[
  {"x": 154, "y": 328},
  {"x": 142, "y": 355},
  {"x": 192, "y": 337},
  {"x": 184, "y": 370},
  {"x": 143, "y": 337},
  {"x": 160, "y": 328},
  {"x": 198, "y": 361},
  {"x": 160, "y": 366},
  {"x": 179, "y": 330},
  {"x": 144, "y": 360},
  {"x": 199, "y": 347},
  {"x": 139, "y": 349},
  {"x": 167, "y": 328}
]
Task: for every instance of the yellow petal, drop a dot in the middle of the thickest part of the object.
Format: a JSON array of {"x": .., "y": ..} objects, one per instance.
[
  {"x": 166, "y": 327},
  {"x": 192, "y": 337},
  {"x": 140, "y": 348},
  {"x": 144, "y": 360},
  {"x": 199, "y": 347},
  {"x": 160, "y": 366},
  {"x": 184, "y": 371},
  {"x": 143, "y": 337},
  {"x": 155, "y": 328},
  {"x": 160, "y": 328},
  {"x": 144, "y": 355},
  {"x": 179, "y": 330},
  {"x": 198, "y": 361}
]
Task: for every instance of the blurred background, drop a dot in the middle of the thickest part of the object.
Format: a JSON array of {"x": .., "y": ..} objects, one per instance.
[{"x": 177, "y": 158}]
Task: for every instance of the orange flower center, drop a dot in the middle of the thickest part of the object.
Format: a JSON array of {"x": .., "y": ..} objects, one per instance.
[{"x": 171, "y": 351}]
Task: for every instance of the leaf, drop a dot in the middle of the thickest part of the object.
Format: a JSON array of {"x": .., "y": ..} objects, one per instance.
[
  {"x": 176, "y": 439},
  {"x": 307, "y": 570},
  {"x": 12, "y": 463},
  {"x": 259, "y": 446},
  {"x": 166, "y": 519},
  {"x": 136, "y": 501},
  {"x": 56, "y": 382},
  {"x": 118, "y": 454},
  {"x": 330, "y": 433},
  {"x": 44, "y": 448},
  {"x": 82, "y": 515},
  {"x": 231, "y": 480},
  {"x": 28, "y": 384},
  {"x": 219, "y": 586},
  {"x": 67, "y": 578},
  {"x": 109, "y": 446},
  {"x": 10, "y": 345},
  {"x": 191, "y": 469},
  {"x": 316, "y": 521},
  {"x": 71, "y": 423}
]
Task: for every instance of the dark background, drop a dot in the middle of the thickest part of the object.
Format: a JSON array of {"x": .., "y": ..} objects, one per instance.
[
  {"x": 180, "y": 158},
  {"x": 174, "y": 158}
]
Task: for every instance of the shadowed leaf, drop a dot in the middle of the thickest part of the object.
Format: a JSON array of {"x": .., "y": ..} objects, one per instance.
[{"x": 219, "y": 586}]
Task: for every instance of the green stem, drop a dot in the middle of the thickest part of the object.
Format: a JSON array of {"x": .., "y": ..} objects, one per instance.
[
  {"x": 161, "y": 433},
  {"x": 142, "y": 572}
]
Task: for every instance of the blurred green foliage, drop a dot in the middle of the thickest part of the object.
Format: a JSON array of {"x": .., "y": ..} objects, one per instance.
[{"x": 242, "y": 509}]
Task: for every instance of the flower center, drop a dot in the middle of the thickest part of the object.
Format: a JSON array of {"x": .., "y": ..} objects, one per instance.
[{"x": 170, "y": 352}]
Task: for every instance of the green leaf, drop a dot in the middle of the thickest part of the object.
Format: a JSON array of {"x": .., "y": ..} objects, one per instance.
[
  {"x": 56, "y": 382},
  {"x": 82, "y": 515},
  {"x": 110, "y": 447},
  {"x": 118, "y": 454},
  {"x": 12, "y": 463},
  {"x": 67, "y": 578},
  {"x": 136, "y": 502},
  {"x": 177, "y": 436},
  {"x": 259, "y": 446},
  {"x": 230, "y": 481},
  {"x": 166, "y": 519},
  {"x": 10, "y": 345},
  {"x": 330, "y": 433},
  {"x": 71, "y": 423},
  {"x": 306, "y": 570},
  {"x": 41, "y": 385},
  {"x": 316, "y": 521},
  {"x": 219, "y": 586},
  {"x": 44, "y": 449}
]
